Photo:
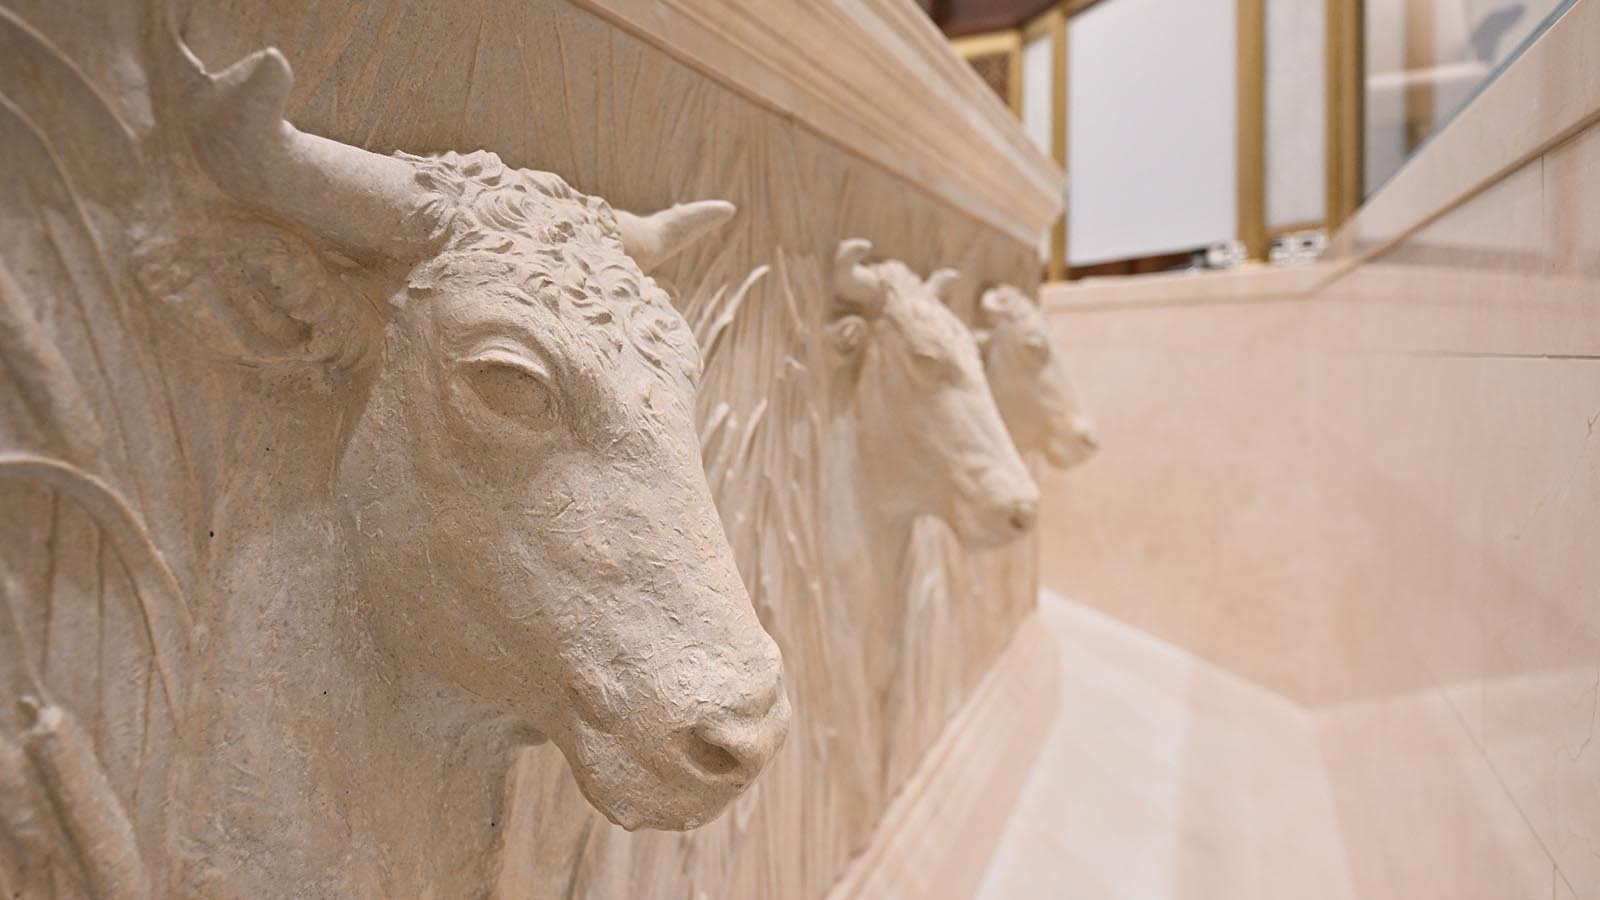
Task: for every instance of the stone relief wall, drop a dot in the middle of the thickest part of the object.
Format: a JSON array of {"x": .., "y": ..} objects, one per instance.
[{"x": 278, "y": 410}]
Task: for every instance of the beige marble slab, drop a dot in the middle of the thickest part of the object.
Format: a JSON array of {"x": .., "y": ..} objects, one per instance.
[{"x": 1421, "y": 816}]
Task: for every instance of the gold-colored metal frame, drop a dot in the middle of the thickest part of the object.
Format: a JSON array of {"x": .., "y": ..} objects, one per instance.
[
  {"x": 1250, "y": 77},
  {"x": 1344, "y": 36},
  {"x": 998, "y": 43},
  {"x": 1346, "y": 164},
  {"x": 1051, "y": 25}
]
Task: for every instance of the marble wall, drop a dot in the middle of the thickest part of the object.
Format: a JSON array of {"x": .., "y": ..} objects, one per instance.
[{"x": 1374, "y": 488}]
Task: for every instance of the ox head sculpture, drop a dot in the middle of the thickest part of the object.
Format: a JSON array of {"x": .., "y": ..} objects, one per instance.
[
  {"x": 1029, "y": 380},
  {"x": 523, "y": 511},
  {"x": 930, "y": 435}
]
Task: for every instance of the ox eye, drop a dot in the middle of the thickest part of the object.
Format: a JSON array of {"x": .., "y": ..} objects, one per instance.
[
  {"x": 846, "y": 335},
  {"x": 511, "y": 384},
  {"x": 933, "y": 362}
]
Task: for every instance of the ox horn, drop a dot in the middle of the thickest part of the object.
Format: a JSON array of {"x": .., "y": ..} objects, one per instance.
[
  {"x": 940, "y": 283},
  {"x": 361, "y": 200},
  {"x": 652, "y": 240},
  {"x": 852, "y": 281},
  {"x": 992, "y": 306}
]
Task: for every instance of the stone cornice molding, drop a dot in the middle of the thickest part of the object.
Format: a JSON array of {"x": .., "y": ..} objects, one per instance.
[{"x": 874, "y": 77}]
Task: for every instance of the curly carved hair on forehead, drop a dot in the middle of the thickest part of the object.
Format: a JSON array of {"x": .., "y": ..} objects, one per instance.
[{"x": 549, "y": 243}]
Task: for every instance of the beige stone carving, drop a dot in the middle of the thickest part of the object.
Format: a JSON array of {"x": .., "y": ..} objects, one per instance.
[
  {"x": 184, "y": 349},
  {"x": 914, "y": 432},
  {"x": 929, "y": 435},
  {"x": 1029, "y": 379},
  {"x": 455, "y": 506}
]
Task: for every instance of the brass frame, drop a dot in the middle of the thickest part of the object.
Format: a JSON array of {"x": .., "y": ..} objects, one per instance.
[
  {"x": 1346, "y": 150},
  {"x": 1343, "y": 36},
  {"x": 996, "y": 43},
  {"x": 1251, "y": 83},
  {"x": 1051, "y": 25},
  {"x": 1419, "y": 54},
  {"x": 1273, "y": 234}
]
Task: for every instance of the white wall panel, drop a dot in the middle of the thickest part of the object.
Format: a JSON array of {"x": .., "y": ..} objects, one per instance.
[
  {"x": 1038, "y": 91},
  {"x": 1152, "y": 128}
]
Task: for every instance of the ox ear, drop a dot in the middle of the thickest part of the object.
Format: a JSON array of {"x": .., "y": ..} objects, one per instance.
[
  {"x": 652, "y": 240},
  {"x": 941, "y": 282}
]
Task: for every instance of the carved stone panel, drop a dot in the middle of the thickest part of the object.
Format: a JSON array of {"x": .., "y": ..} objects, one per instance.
[
  {"x": 388, "y": 514},
  {"x": 439, "y": 428}
]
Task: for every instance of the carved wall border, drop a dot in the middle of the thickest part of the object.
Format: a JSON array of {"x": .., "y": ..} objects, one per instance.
[{"x": 936, "y": 840}]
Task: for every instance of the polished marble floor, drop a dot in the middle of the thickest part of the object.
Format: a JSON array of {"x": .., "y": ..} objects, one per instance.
[{"x": 1166, "y": 778}]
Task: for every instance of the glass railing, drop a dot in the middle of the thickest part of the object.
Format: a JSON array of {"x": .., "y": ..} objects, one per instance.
[{"x": 1426, "y": 59}]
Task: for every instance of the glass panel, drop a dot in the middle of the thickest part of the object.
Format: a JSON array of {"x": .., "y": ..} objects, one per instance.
[{"x": 1426, "y": 58}]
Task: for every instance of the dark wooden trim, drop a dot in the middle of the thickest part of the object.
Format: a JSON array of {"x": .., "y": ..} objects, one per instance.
[
  {"x": 1075, "y": 7},
  {"x": 1144, "y": 265},
  {"x": 955, "y": 25}
]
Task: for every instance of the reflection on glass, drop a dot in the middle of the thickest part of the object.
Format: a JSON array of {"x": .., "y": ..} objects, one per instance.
[{"x": 1426, "y": 58}]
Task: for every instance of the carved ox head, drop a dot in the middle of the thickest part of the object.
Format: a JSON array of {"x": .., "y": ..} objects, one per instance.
[
  {"x": 931, "y": 438},
  {"x": 519, "y": 480},
  {"x": 1030, "y": 381}
]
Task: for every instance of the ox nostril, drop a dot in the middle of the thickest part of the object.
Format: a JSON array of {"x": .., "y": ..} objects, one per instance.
[
  {"x": 715, "y": 758},
  {"x": 732, "y": 743},
  {"x": 1083, "y": 429},
  {"x": 733, "y": 747},
  {"x": 1023, "y": 514}
]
